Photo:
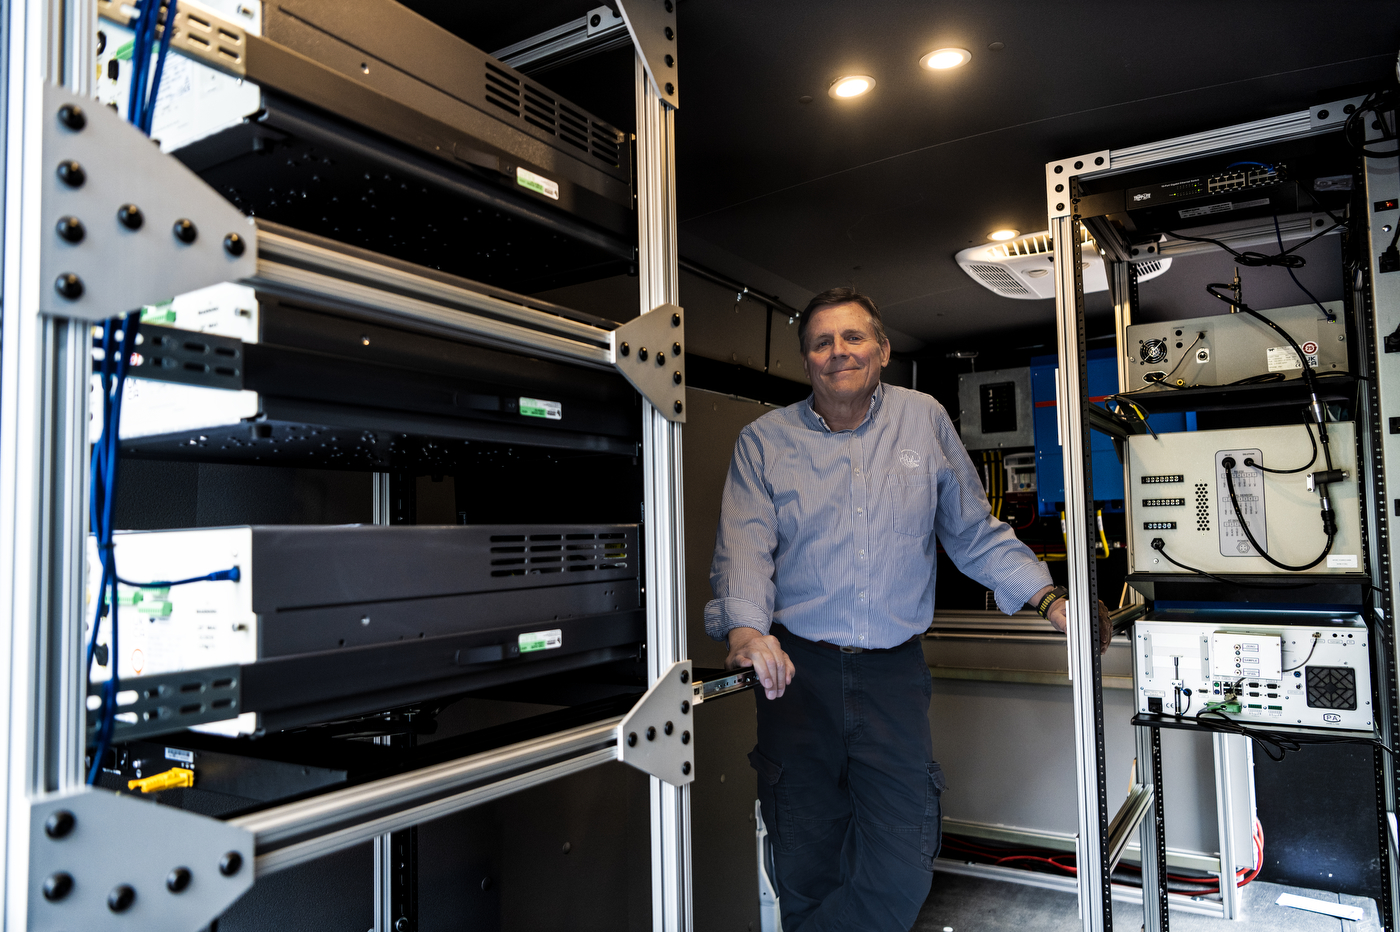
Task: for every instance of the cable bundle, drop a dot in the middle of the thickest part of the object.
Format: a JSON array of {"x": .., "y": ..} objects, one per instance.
[{"x": 141, "y": 107}]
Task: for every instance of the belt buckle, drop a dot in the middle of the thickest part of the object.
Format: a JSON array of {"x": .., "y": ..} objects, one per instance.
[{"x": 851, "y": 650}]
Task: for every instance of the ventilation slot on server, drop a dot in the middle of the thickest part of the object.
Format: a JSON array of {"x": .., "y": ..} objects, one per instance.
[
  {"x": 997, "y": 278},
  {"x": 607, "y": 143},
  {"x": 1202, "y": 507},
  {"x": 540, "y": 110},
  {"x": 519, "y": 555},
  {"x": 1331, "y": 687},
  {"x": 503, "y": 90}
]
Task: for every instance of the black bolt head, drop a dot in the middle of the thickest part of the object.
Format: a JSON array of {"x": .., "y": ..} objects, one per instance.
[
  {"x": 69, "y": 286},
  {"x": 121, "y": 898},
  {"x": 594, "y": 20},
  {"x": 1349, "y": 109},
  {"x": 402, "y": 924},
  {"x": 670, "y": 88},
  {"x": 177, "y": 880},
  {"x": 130, "y": 216},
  {"x": 184, "y": 230},
  {"x": 670, "y": 61},
  {"x": 1060, "y": 206},
  {"x": 675, "y": 320},
  {"x": 626, "y": 349},
  {"x": 71, "y": 229},
  {"x": 60, "y": 822},
  {"x": 685, "y": 768},
  {"x": 670, "y": 7},
  {"x": 632, "y": 739},
  {"x": 676, "y": 377},
  {"x": 670, "y": 33},
  {"x": 685, "y": 703},
  {"x": 668, "y": 728},
  {"x": 1098, "y": 160},
  {"x": 72, "y": 116},
  {"x": 57, "y": 886},
  {"x": 675, "y": 349},
  {"x": 234, "y": 245},
  {"x": 651, "y": 732},
  {"x": 642, "y": 354},
  {"x": 678, "y": 407},
  {"x": 685, "y": 676},
  {"x": 685, "y": 737},
  {"x": 231, "y": 863},
  {"x": 661, "y": 359},
  {"x": 1059, "y": 188},
  {"x": 71, "y": 173},
  {"x": 1323, "y": 114},
  {"x": 1078, "y": 165}
]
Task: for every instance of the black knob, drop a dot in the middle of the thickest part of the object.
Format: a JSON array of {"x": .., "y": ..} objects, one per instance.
[
  {"x": 685, "y": 737},
  {"x": 651, "y": 732},
  {"x": 184, "y": 230},
  {"x": 668, "y": 728},
  {"x": 626, "y": 349},
  {"x": 234, "y": 245},
  {"x": 177, "y": 880},
  {"x": 230, "y": 863},
  {"x": 670, "y": 88},
  {"x": 675, "y": 349},
  {"x": 72, "y": 116},
  {"x": 60, "y": 822},
  {"x": 71, "y": 173},
  {"x": 57, "y": 886},
  {"x": 661, "y": 359},
  {"x": 675, "y": 320},
  {"x": 685, "y": 768},
  {"x": 678, "y": 407},
  {"x": 642, "y": 354},
  {"x": 121, "y": 898},
  {"x": 130, "y": 216},
  {"x": 676, "y": 377},
  {"x": 685, "y": 676},
  {"x": 632, "y": 739},
  {"x": 71, "y": 229},
  {"x": 69, "y": 286},
  {"x": 685, "y": 703}
]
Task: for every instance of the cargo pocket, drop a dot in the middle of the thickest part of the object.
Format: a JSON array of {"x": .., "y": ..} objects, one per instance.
[
  {"x": 931, "y": 839},
  {"x": 771, "y": 796},
  {"x": 911, "y": 503}
]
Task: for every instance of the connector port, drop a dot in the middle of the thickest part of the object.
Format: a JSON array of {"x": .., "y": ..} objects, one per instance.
[{"x": 1154, "y": 704}]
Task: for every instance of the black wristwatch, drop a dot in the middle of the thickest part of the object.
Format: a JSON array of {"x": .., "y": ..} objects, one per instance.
[{"x": 1042, "y": 608}]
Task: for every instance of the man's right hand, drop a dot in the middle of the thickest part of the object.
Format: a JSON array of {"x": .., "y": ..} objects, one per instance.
[{"x": 762, "y": 652}]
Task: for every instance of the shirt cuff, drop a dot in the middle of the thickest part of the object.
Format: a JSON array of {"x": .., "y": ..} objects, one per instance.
[
  {"x": 1017, "y": 589},
  {"x": 724, "y": 615}
]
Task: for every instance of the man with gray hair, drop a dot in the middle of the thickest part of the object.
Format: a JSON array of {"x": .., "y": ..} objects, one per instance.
[{"x": 823, "y": 575}]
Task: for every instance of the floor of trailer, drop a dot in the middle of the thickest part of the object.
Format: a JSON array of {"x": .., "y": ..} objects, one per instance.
[{"x": 975, "y": 904}]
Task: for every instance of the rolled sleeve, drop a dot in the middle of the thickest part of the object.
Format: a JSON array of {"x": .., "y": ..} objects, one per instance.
[
  {"x": 724, "y": 615},
  {"x": 742, "y": 572}
]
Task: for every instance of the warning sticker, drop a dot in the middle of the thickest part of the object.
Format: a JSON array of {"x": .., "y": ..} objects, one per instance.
[
  {"x": 552, "y": 410},
  {"x": 1283, "y": 357},
  {"x": 541, "y": 640},
  {"x": 1341, "y": 561},
  {"x": 540, "y": 184},
  {"x": 1220, "y": 208}
]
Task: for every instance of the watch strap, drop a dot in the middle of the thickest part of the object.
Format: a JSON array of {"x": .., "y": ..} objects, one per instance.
[{"x": 1042, "y": 608}]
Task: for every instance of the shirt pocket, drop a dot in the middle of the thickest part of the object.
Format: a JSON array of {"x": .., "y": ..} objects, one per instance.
[{"x": 912, "y": 504}]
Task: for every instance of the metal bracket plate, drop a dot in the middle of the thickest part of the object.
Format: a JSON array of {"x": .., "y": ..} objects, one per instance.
[
  {"x": 652, "y": 24},
  {"x": 164, "y": 702},
  {"x": 123, "y": 863},
  {"x": 657, "y": 735},
  {"x": 1058, "y": 174},
  {"x": 109, "y": 166},
  {"x": 649, "y": 351}
]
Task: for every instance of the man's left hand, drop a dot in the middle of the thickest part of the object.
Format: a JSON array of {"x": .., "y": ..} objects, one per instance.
[{"x": 1059, "y": 617}]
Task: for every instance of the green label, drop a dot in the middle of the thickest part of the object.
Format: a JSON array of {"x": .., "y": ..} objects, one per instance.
[
  {"x": 537, "y": 183},
  {"x": 535, "y": 407},
  {"x": 541, "y": 640}
]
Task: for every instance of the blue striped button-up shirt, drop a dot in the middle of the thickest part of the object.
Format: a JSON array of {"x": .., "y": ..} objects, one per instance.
[{"x": 835, "y": 533}]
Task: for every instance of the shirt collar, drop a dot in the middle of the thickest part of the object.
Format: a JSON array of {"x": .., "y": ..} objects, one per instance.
[{"x": 817, "y": 422}]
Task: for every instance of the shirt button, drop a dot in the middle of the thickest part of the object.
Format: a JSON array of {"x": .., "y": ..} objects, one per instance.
[
  {"x": 860, "y": 511},
  {"x": 862, "y": 553}
]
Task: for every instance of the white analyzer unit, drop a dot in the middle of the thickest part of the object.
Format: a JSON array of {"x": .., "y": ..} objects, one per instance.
[{"x": 1314, "y": 674}]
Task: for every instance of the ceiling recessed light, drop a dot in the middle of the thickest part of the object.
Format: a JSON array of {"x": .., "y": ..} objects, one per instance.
[
  {"x": 1000, "y": 235},
  {"x": 851, "y": 85},
  {"x": 943, "y": 59}
]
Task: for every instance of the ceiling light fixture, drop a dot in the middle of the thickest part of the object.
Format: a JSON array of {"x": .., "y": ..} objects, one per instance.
[
  {"x": 1002, "y": 235},
  {"x": 851, "y": 85},
  {"x": 943, "y": 59}
]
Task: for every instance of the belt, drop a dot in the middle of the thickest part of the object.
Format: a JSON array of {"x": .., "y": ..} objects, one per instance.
[{"x": 853, "y": 650}]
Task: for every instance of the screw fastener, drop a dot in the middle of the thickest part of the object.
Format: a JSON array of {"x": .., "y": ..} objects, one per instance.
[
  {"x": 676, "y": 377},
  {"x": 234, "y": 245},
  {"x": 177, "y": 880},
  {"x": 71, "y": 229},
  {"x": 59, "y": 823},
  {"x": 184, "y": 230},
  {"x": 71, "y": 173},
  {"x": 642, "y": 354},
  {"x": 685, "y": 768},
  {"x": 130, "y": 216},
  {"x": 69, "y": 286},
  {"x": 675, "y": 320},
  {"x": 685, "y": 737},
  {"x": 230, "y": 863},
  {"x": 57, "y": 886},
  {"x": 121, "y": 898},
  {"x": 72, "y": 116},
  {"x": 651, "y": 732}
]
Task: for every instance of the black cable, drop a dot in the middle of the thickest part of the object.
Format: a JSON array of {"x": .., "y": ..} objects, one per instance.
[
  {"x": 1316, "y": 638},
  {"x": 1249, "y": 460},
  {"x": 1376, "y": 102},
  {"x": 1285, "y": 258},
  {"x": 1229, "y": 465},
  {"x": 1200, "y": 335},
  {"x": 1160, "y": 546},
  {"x": 1279, "y": 235},
  {"x": 1281, "y": 741}
]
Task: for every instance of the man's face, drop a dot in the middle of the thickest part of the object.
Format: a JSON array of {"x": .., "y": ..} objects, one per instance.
[{"x": 843, "y": 357}]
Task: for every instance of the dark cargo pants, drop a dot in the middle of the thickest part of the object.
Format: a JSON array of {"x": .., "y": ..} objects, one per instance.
[{"x": 849, "y": 788}]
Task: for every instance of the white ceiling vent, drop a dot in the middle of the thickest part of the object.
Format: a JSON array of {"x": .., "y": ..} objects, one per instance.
[{"x": 1020, "y": 268}]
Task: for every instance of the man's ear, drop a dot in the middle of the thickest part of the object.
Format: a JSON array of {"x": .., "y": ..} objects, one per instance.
[{"x": 884, "y": 353}]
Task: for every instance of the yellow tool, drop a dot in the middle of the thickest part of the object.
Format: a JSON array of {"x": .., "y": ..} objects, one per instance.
[{"x": 175, "y": 776}]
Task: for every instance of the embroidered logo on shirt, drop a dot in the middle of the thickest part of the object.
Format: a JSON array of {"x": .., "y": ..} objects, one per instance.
[{"x": 910, "y": 459}]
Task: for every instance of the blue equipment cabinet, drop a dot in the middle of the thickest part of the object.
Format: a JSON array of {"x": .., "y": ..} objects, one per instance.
[{"x": 1049, "y": 461}]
